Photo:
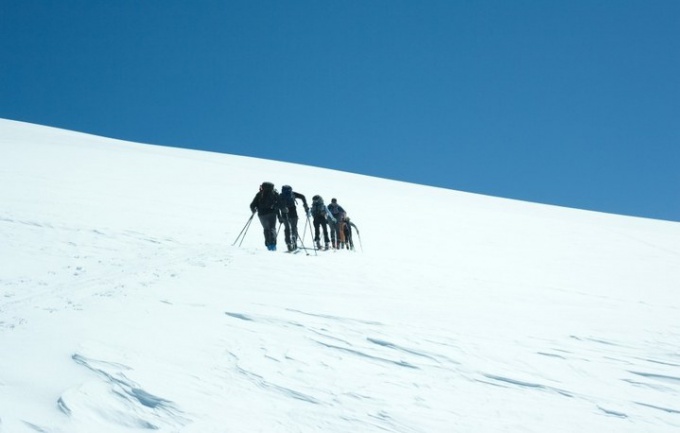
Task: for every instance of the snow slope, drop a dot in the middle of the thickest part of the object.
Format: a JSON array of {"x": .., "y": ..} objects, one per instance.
[{"x": 124, "y": 307}]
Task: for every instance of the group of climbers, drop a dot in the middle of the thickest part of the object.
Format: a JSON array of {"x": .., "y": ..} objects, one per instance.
[
  {"x": 334, "y": 216},
  {"x": 271, "y": 206}
]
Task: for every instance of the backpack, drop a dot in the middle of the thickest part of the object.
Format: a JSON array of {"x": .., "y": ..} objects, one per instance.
[
  {"x": 268, "y": 196},
  {"x": 334, "y": 209},
  {"x": 287, "y": 196},
  {"x": 318, "y": 208}
]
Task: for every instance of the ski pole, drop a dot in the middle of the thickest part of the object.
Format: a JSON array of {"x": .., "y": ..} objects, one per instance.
[
  {"x": 244, "y": 230},
  {"x": 312, "y": 235},
  {"x": 302, "y": 242},
  {"x": 304, "y": 231},
  {"x": 359, "y": 237},
  {"x": 244, "y": 234},
  {"x": 247, "y": 228}
]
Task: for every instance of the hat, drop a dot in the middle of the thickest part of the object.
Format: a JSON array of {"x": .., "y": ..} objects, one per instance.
[{"x": 334, "y": 200}]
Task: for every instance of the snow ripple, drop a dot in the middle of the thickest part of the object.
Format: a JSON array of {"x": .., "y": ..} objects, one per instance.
[{"x": 118, "y": 400}]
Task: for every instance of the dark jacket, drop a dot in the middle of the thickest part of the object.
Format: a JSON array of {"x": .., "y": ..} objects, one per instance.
[
  {"x": 266, "y": 202},
  {"x": 292, "y": 209},
  {"x": 337, "y": 211},
  {"x": 319, "y": 210}
]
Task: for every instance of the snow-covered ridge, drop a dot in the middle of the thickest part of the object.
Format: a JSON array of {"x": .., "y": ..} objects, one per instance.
[{"x": 124, "y": 307}]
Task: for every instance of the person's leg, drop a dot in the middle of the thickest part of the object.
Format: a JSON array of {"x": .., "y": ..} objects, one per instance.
[
  {"x": 265, "y": 228},
  {"x": 334, "y": 230},
  {"x": 317, "y": 232},
  {"x": 286, "y": 230},
  {"x": 325, "y": 233},
  {"x": 294, "y": 231},
  {"x": 269, "y": 224},
  {"x": 341, "y": 234},
  {"x": 348, "y": 236}
]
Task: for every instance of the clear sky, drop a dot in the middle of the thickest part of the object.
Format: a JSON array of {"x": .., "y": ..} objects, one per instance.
[{"x": 574, "y": 103}]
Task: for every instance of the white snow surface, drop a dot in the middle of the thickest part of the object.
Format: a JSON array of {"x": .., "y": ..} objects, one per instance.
[{"x": 124, "y": 306}]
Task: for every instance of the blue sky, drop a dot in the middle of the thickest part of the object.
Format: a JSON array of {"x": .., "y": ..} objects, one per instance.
[{"x": 573, "y": 103}]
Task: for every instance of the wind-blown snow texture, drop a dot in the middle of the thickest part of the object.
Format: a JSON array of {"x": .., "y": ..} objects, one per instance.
[{"x": 124, "y": 307}]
